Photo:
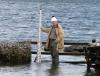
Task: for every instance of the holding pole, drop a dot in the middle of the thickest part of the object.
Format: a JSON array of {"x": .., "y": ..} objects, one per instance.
[{"x": 38, "y": 56}]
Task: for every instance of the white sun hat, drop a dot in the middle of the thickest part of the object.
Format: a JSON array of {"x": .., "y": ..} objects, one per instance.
[{"x": 53, "y": 19}]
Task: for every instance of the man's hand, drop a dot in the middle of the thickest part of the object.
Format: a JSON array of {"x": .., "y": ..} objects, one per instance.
[{"x": 46, "y": 30}]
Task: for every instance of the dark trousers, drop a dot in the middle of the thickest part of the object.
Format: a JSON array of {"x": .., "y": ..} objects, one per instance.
[{"x": 54, "y": 52}]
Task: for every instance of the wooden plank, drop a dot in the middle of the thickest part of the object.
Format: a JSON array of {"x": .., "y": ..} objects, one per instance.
[
  {"x": 66, "y": 43},
  {"x": 74, "y": 62},
  {"x": 71, "y": 62},
  {"x": 62, "y": 53}
]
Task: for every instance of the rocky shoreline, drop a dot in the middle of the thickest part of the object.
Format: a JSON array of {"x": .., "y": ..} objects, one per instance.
[{"x": 17, "y": 52}]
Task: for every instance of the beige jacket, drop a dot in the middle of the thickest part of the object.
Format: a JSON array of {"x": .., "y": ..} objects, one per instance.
[{"x": 60, "y": 36}]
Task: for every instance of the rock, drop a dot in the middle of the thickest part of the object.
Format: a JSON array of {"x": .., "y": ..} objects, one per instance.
[{"x": 17, "y": 52}]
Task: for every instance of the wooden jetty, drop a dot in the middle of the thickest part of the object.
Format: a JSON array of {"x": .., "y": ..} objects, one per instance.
[
  {"x": 90, "y": 51},
  {"x": 75, "y": 53},
  {"x": 63, "y": 53}
]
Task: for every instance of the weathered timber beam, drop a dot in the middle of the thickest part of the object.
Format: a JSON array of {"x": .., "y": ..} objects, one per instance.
[
  {"x": 66, "y": 43},
  {"x": 62, "y": 53}
]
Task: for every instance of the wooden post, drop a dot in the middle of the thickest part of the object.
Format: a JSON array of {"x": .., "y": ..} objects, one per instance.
[{"x": 87, "y": 57}]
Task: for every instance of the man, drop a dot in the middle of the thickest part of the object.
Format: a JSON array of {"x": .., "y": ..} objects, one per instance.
[{"x": 55, "y": 42}]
